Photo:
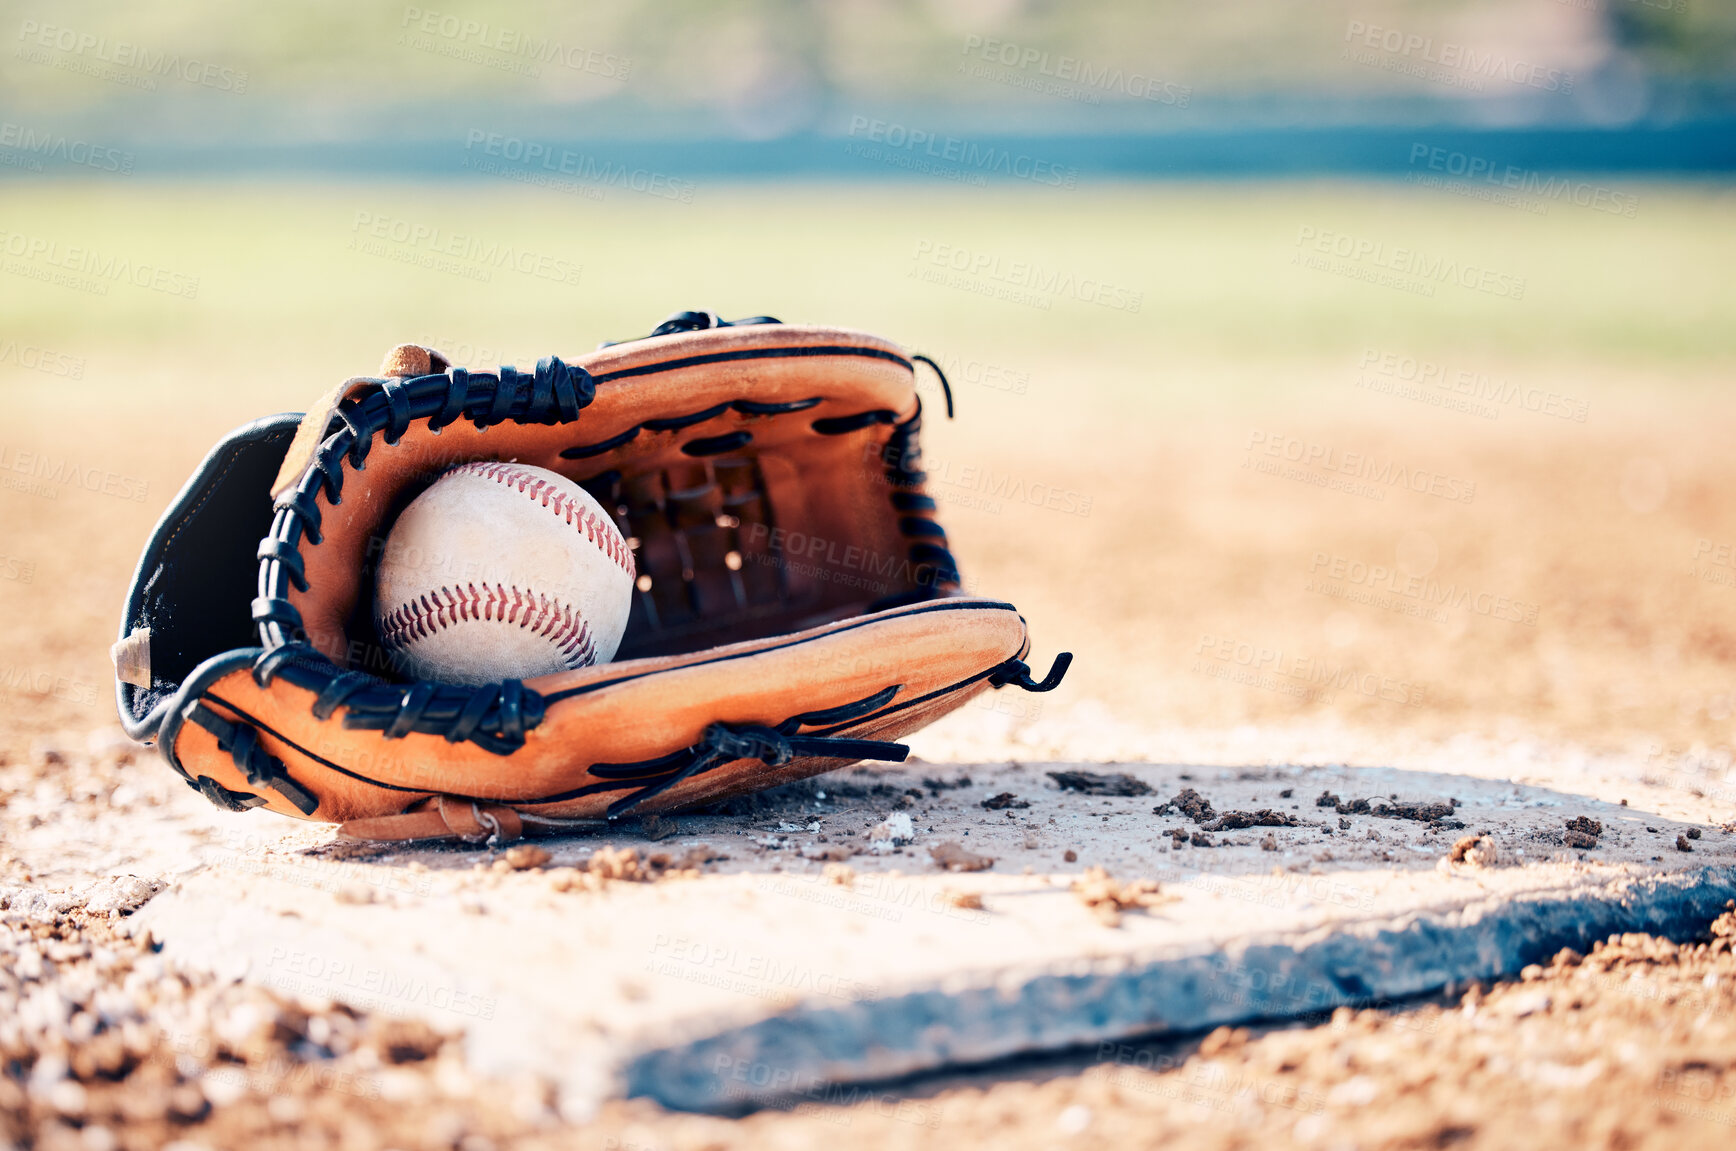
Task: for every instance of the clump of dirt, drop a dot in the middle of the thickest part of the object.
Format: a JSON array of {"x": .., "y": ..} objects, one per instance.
[
  {"x": 1191, "y": 804},
  {"x": 658, "y": 827},
  {"x": 1438, "y": 813},
  {"x": 936, "y": 786},
  {"x": 1265, "y": 817},
  {"x": 1582, "y": 832},
  {"x": 1421, "y": 812},
  {"x": 1091, "y": 783},
  {"x": 525, "y": 857},
  {"x": 623, "y": 865},
  {"x": 953, "y": 856},
  {"x": 1721, "y": 933},
  {"x": 1108, "y": 898},
  {"x": 791, "y": 798},
  {"x": 1003, "y": 801},
  {"x": 1476, "y": 851},
  {"x": 1224, "y": 1041}
]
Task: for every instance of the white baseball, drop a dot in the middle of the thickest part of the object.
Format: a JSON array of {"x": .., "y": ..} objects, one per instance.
[{"x": 502, "y": 571}]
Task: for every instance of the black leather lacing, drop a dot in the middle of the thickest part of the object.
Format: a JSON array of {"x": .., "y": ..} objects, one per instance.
[
  {"x": 935, "y": 569},
  {"x": 494, "y": 717},
  {"x": 1017, "y": 673},
  {"x": 692, "y": 322},
  {"x": 676, "y": 423},
  {"x": 945, "y": 388},
  {"x": 723, "y": 743},
  {"x": 262, "y": 768}
]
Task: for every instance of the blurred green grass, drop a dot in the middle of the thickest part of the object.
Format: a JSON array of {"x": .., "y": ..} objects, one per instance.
[{"x": 286, "y": 305}]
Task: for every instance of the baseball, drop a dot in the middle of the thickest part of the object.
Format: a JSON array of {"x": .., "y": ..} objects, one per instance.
[{"x": 502, "y": 571}]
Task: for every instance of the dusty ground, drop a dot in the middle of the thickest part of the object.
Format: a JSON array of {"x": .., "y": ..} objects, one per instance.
[
  {"x": 106, "y": 1046},
  {"x": 1631, "y": 1046}
]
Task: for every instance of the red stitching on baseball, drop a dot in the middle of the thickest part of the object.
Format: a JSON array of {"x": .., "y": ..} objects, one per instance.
[
  {"x": 603, "y": 534},
  {"x": 544, "y": 615}
]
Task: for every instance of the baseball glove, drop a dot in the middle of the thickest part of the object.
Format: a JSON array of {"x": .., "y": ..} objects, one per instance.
[{"x": 796, "y": 609}]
